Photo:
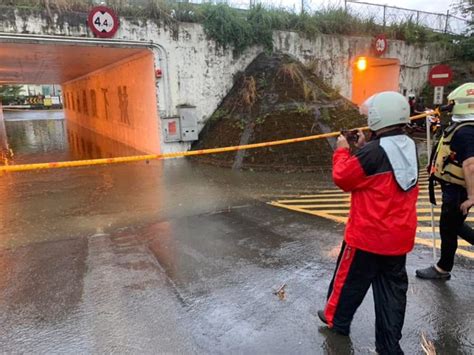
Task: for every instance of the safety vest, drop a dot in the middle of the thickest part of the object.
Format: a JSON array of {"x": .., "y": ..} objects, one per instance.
[{"x": 444, "y": 164}]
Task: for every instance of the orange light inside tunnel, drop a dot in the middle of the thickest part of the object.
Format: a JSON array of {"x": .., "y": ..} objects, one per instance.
[
  {"x": 361, "y": 63},
  {"x": 371, "y": 75}
]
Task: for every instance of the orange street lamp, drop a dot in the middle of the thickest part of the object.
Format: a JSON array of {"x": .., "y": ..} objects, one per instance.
[{"x": 361, "y": 63}]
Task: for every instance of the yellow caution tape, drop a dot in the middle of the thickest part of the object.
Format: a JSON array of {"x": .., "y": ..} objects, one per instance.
[{"x": 136, "y": 158}]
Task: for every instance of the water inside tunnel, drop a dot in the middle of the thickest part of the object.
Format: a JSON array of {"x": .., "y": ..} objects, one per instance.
[
  {"x": 110, "y": 91},
  {"x": 36, "y": 136}
]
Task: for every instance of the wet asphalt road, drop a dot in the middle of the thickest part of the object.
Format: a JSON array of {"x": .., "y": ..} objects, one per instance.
[{"x": 184, "y": 258}]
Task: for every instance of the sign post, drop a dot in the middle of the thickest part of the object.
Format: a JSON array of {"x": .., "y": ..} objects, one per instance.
[
  {"x": 428, "y": 152},
  {"x": 439, "y": 76}
]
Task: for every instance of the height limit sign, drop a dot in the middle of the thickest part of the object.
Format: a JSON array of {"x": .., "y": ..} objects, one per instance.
[{"x": 103, "y": 21}]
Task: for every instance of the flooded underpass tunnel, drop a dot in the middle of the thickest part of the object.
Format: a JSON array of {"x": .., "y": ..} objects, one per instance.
[
  {"x": 108, "y": 92},
  {"x": 172, "y": 256}
]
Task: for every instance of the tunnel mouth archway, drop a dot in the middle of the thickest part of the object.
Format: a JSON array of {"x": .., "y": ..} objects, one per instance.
[
  {"x": 107, "y": 89},
  {"x": 371, "y": 75}
]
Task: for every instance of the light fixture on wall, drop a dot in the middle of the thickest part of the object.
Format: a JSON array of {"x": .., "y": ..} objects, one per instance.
[{"x": 361, "y": 63}]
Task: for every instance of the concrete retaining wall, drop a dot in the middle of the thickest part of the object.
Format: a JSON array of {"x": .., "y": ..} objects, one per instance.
[{"x": 201, "y": 74}]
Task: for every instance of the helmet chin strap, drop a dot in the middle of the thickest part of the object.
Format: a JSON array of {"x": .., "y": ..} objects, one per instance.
[{"x": 376, "y": 134}]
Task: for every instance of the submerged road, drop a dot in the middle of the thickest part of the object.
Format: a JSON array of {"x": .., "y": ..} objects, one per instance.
[{"x": 184, "y": 258}]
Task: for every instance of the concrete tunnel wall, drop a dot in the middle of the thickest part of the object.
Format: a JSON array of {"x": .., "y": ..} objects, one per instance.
[{"x": 118, "y": 102}]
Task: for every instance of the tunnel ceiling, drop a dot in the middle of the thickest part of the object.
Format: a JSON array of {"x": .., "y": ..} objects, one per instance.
[{"x": 52, "y": 63}]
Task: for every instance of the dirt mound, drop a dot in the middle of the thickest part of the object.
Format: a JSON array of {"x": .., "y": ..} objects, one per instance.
[{"x": 276, "y": 98}]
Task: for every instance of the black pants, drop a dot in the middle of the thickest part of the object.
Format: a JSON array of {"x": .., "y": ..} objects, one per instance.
[
  {"x": 451, "y": 225},
  {"x": 356, "y": 271}
]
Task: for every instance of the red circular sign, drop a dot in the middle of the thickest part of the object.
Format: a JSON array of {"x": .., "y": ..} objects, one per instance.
[
  {"x": 440, "y": 75},
  {"x": 103, "y": 21},
  {"x": 380, "y": 44}
]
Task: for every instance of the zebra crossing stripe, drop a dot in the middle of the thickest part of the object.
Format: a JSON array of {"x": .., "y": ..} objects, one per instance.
[{"x": 334, "y": 205}]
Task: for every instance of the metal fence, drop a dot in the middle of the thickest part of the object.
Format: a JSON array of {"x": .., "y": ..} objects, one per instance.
[
  {"x": 382, "y": 14},
  {"x": 387, "y": 15}
]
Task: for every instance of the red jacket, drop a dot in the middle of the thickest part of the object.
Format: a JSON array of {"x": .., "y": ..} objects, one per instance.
[{"x": 382, "y": 218}]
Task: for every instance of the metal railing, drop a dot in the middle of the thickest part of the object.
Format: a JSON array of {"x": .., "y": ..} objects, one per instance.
[
  {"x": 382, "y": 14},
  {"x": 387, "y": 15}
]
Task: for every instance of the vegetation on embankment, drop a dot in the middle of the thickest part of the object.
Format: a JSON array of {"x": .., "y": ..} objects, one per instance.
[
  {"x": 277, "y": 97},
  {"x": 234, "y": 28}
]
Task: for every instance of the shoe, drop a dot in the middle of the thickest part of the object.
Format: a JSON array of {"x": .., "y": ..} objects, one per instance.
[
  {"x": 322, "y": 317},
  {"x": 432, "y": 273}
]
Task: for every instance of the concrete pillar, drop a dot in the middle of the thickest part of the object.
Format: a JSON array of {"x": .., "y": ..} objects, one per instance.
[
  {"x": 5, "y": 153},
  {"x": 3, "y": 133}
]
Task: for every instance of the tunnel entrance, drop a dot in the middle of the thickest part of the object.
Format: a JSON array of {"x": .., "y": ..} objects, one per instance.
[
  {"x": 372, "y": 75},
  {"x": 109, "y": 91}
]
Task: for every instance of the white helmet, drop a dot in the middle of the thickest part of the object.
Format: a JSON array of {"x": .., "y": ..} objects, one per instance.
[
  {"x": 385, "y": 109},
  {"x": 463, "y": 98}
]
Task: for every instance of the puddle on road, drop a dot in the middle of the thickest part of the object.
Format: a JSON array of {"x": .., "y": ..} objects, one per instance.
[{"x": 66, "y": 203}]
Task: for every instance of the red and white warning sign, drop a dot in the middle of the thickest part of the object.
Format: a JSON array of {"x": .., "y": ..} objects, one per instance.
[
  {"x": 380, "y": 44},
  {"x": 103, "y": 21},
  {"x": 440, "y": 75}
]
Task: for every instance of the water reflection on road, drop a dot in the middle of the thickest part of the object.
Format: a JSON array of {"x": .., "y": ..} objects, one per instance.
[
  {"x": 34, "y": 137},
  {"x": 50, "y": 205},
  {"x": 174, "y": 256}
]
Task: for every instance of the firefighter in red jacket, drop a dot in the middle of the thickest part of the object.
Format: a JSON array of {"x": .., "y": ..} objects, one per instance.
[{"x": 383, "y": 180}]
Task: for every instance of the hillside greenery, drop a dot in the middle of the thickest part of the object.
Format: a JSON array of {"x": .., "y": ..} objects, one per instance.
[{"x": 240, "y": 29}]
